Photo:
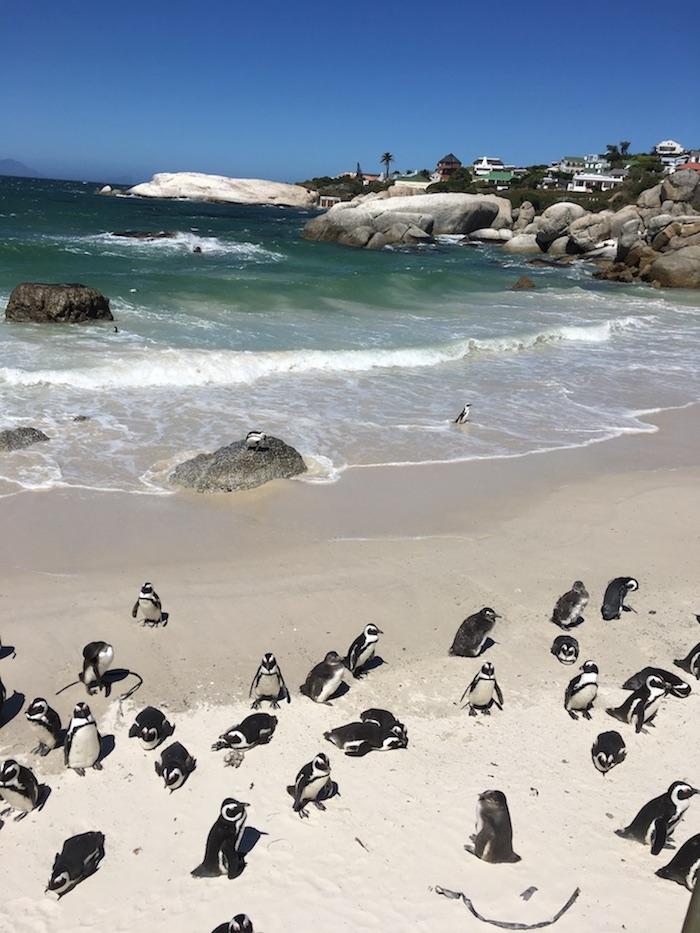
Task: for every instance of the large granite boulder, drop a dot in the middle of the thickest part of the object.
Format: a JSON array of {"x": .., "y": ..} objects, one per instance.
[
  {"x": 236, "y": 467},
  {"x": 522, "y": 243},
  {"x": 629, "y": 235},
  {"x": 19, "y": 438},
  {"x": 56, "y": 304},
  {"x": 526, "y": 214},
  {"x": 198, "y": 186},
  {"x": 589, "y": 231},
  {"x": 677, "y": 269},
  {"x": 555, "y": 221},
  {"x": 650, "y": 198},
  {"x": 680, "y": 186},
  {"x": 489, "y": 235}
]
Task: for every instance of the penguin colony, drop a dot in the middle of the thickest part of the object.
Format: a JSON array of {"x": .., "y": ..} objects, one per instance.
[{"x": 377, "y": 730}]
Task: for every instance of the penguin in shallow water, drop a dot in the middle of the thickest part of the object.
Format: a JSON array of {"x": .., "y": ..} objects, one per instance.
[
  {"x": 691, "y": 662},
  {"x": 641, "y": 707},
  {"x": 607, "y": 751},
  {"x": 493, "y": 840},
  {"x": 325, "y": 678},
  {"x": 19, "y": 788},
  {"x": 79, "y": 858},
  {"x": 81, "y": 748},
  {"x": 241, "y": 923},
  {"x": 45, "y": 723},
  {"x": 463, "y": 416},
  {"x": 255, "y": 440},
  {"x": 684, "y": 867},
  {"x": 361, "y": 651},
  {"x": 483, "y": 691},
  {"x": 268, "y": 684},
  {"x": 568, "y": 611},
  {"x": 675, "y": 686},
  {"x": 313, "y": 784},
  {"x": 97, "y": 659},
  {"x": 221, "y": 853},
  {"x": 614, "y": 599},
  {"x": 151, "y": 728},
  {"x": 581, "y": 692},
  {"x": 565, "y": 649},
  {"x": 256, "y": 729},
  {"x": 148, "y": 606},
  {"x": 472, "y": 633},
  {"x": 175, "y": 766},
  {"x": 656, "y": 821}
]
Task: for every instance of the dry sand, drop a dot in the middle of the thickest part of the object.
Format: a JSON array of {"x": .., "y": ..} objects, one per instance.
[{"x": 299, "y": 570}]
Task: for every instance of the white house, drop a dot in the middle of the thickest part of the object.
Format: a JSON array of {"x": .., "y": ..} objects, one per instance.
[
  {"x": 593, "y": 181},
  {"x": 668, "y": 147},
  {"x": 484, "y": 164}
]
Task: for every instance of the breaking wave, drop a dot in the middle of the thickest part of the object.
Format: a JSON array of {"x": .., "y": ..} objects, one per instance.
[{"x": 182, "y": 242}]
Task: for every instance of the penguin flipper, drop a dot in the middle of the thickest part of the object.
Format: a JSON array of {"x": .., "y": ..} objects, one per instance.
[
  {"x": 623, "y": 833},
  {"x": 659, "y": 835},
  {"x": 135, "y": 610},
  {"x": 204, "y": 871},
  {"x": 499, "y": 696},
  {"x": 616, "y": 714}
]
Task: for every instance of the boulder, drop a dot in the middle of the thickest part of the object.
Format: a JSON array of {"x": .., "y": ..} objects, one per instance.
[
  {"x": 560, "y": 247},
  {"x": 650, "y": 198},
  {"x": 629, "y": 235},
  {"x": 236, "y": 467},
  {"x": 197, "y": 186},
  {"x": 621, "y": 217},
  {"x": 680, "y": 186},
  {"x": 56, "y": 304},
  {"x": 522, "y": 243},
  {"x": 489, "y": 235},
  {"x": 19, "y": 438},
  {"x": 526, "y": 214},
  {"x": 677, "y": 269},
  {"x": 523, "y": 283},
  {"x": 555, "y": 221},
  {"x": 589, "y": 231}
]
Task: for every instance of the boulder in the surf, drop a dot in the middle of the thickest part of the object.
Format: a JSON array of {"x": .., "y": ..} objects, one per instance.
[
  {"x": 19, "y": 438},
  {"x": 40, "y": 303},
  {"x": 235, "y": 467}
]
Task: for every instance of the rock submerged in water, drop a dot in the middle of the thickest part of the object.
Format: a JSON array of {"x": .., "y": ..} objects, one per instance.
[
  {"x": 523, "y": 283},
  {"x": 235, "y": 467},
  {"x": 19, "y": 438},
  {"x": 41, "y": 303}
]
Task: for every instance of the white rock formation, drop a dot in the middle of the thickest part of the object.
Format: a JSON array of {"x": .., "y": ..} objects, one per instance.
[{"x": 196, "y": 186}]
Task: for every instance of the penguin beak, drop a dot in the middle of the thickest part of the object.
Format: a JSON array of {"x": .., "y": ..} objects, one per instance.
[{"x": 380, "y": 631}]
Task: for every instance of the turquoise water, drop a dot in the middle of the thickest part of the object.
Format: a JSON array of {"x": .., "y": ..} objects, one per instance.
[{"x": 354, "y": 357}]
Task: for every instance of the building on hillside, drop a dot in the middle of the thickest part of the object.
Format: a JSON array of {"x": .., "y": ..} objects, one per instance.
[
  {"x": 485, "y": 164},
  {"x": 447, "y": 166},
  {"x": 569, "y": 165},
  {"x": 499, "y": 179},
  {"x": 668, "y": 148},
  {"x": 596, "y": 164},
  {"x": 412, "y": 181},
  {"x": 326, "y": 200},
  {"x": 593, "y": 181}
]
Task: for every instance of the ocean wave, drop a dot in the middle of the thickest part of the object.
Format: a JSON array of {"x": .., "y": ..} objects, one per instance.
[{"x": 182, "y": 242}]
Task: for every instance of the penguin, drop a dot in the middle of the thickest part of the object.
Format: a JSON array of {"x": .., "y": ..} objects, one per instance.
[
  {"x": 382, "y": 717},
  {"x": 568, "y": 612},
  {"x": 675, "y": 686},
  {"x": 325, "y": 678},
  {"x": 471, "y": 635},
  {"x": 221, "y": 853},
  {"x": 151, "y": 728},
  {"x": 361, "y": 651},
  {"x": 493, "y": 841},
  {"x": 614, "y": 599},
  {"x": 656, "y": 821},
  {"x": 255, "y": 440},
  {"x": 241, "y": 923},
  {"x": 691, "y": 662},
  {"x": 46, "y": 724},
  {"x": 175, "y": 766},
  {"x": 607, "y": 751},
  {"x": 463, "y": 416},
  {"x": 565, "y": 649},
  {"x": 256, "y": 729},
  {"x": 641, "y": 707},
  {"x": 14, "y": 652},
  {"x": 97, "y": 658},
  {"x": 81, "y": 747},
  {"x": 359, "y": 738},
  {"x": 19, "y": 788},
  {"x": 483, "y": 692},
  {"x": 582, "y": 691},
  {"x": 684, "y": 867},
  {"x": 148, "y": 606},
  {"x": 313, "y": 784},
  {"x": 79, "y": 858},
  {"x": 268, "y": 684}
]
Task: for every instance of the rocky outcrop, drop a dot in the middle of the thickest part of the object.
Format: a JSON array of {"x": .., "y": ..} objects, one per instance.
[
  {"x": 683, "y": 187},
  {"x": 490, "y": 235},
  {"x": 524, "y": 283},
  {"x": 522, "y": 243},
  {"x": 235, "y": 467},
  {"x": 677, "y": 269},
  {"x": 555, "y": 221},
  {"x": 589, "y": 231},
  {"x": 19, "y": 438},
  {"x": 196, "y": 186},
  {"x": 56, "y": 304},
  {"x": 525, "y": 215}
]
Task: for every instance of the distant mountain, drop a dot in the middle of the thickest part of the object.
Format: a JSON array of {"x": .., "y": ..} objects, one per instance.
[{"x": 13, "y": 167}]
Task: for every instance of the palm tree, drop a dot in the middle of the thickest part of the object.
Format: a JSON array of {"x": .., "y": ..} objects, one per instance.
[
  {"x": 386, "y": 160},
  {"x": 624, "y": 147}
]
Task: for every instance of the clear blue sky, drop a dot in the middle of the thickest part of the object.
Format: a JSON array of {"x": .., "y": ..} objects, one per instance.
[{"x": 292, "y": 89}]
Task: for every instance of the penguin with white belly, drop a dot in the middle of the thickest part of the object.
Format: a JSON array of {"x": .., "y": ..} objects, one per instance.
[
  {"x": 97, "y": 659},
  {"x": 581, "y": 692},
  {"x": 483, "y": 692},
  {"x": 221, "y": 854},
  {"x": 45, "y": 723},
  {"x": 19, "y": 788},
  {"x": 268, "y": 684},
  {"x": 324, "y": 680},
  {"x": 83, "y": 743}
]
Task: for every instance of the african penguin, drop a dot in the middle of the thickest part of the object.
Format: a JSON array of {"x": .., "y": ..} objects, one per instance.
[
  {"x": 45, "y": 723},
  {"x": 382, "y": 717},
  {"x": 656, "y": 821},
  {"x": 256, "y": 729},
  {"x": 359, "y": 738},
  {"x": 151, "y": 728},
  {"x": 675, "y": 686},
  {"x": 97, "y": 658},
  {"x": 81, "y": 748},
  {"x": 565, "y": 649},
  {"x": 471, "y": 635},
  {"x": 493, "y": 840},
  {"x": 79, "y": 858},
  {"x": 241, "y": 923},
  {"x": 691, "y": 663},
  {"x": 640, "y": 707},
  {"x": 463, "y": 416},
  {"x": 568, "y": 611},
  {"x": 221, "y": 853},
  {"x": 175, "y": 766},
  {"x": 148, "y": 606},
  {"x": 483, "y": 691},
  {"x": 313, "y": 784},
  {"x": 19, "y": 788},
  {"x": 684, "y": 867},
  {"x": 361, "y": 651},
  {"x": 582, "y": 691},
  {"x": 324, "y": 680},
  {"x": 268, "y": 684},
  {"x": 614, "y": 599},
  {"x": 607, "y": 751},
  {"x": 255, "y": 440},
  {"x": 14, "y": 652}
]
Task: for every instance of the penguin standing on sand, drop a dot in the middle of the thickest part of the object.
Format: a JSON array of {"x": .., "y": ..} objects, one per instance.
[
  {"x": 684, "y": 867},
  {"x": 175, "y": 766},
  {"x": 151, "y": 728},
  {"x": 614, "y": 599},
  {"x": 463, "y": 416},
  {"x": 641, "y": 707},
  {"x": 472, "y": 633},
  {"x": 656, "y": 821},
  {"x": 241, "y": 923},
  {"x": 256, "y": 729},
  {"x": 607, "y": 751},
  {"x": 569, "y": 608},
  {"x": 565, "y": 649},
  {"x": 483, "y": 692},
  {"x": 361, "y": 651},
  {"x": 45, "y": 723},
  {"x": 255, "y": 440},
  {"x": 493, "y": 840},
  {"x": 97, "y": 658},
  {"x": 79, "y": 858},
  {"x": 581, "y": 692},
  {"x": 268, "y": 684},
  {"x": 19, "y": 788},
  {"x": 82, "y": 744},
  {"x": 691, "y": 662},
  {"x": 148, "y": 607},
  {"x": 675, "y": 686},
  {"x": 221, "y": 853},
  {"x": 323, "y": 681},
  {"x": 313, "y": 784}
]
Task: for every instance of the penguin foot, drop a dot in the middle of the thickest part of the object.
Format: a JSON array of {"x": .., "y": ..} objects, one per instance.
[
  {"x": 6, "y": 811},
  {"x": 97, "y": 766},
  {"x": 80, "y": 771},
  {"x": 274, "y": 704},
  {"x": 472, "y": 711},
  {"x": 486, "y": 712},
  {"x": 303, "y": 815},
  {"x": 319, "y": 805},
  {"x": 572, "y": 714},
  {"x": 586, "y": 714},
  {"x": 39, "y": 750},
  {"x": 20, "y": 816},
  {"x": 256, "y": 704}
]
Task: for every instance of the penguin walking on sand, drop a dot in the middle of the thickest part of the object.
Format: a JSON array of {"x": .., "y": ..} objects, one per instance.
[
  {"x": 255, "y": 440},
  {"x": 569, "y": 609},
  {"x": 493, "y": 840},
  {"x": 221, "y": 853},
  {"x": 151, "y": 728},
  {"x": 608, "y": 751},
  {"x": 614, "y": 599},
  {"x": 472, "y": 634},
  {"x": 640, "y": 708},
  {"x": 691, "y": 662},
  {"x": 581, "y": 692},
  {"x": 565, "y": 649},
  {"x": 313, "y": 784},
  {"x": 483, "y": 692},
  {"x": 268, "y": 684},
  {"x": 463, "y": 416},
  {"x": 46, "y": 725},
  {"x": 175, "y": 765},
  {"x": 675, "y": 686},
  {"x": 79, "y": 858},
  {"x": 656, "y": 821},
  {"x": 361, "y": 651},
  {"x": 97, "y": 659},
  {"x": 241, "y": 923},
  {"x": 684, "y": 867},
  {"x": 256, "y": 729},
  {"x": 82, "y": 744},
  {"x": 19, "y": 788},
  {"x": 148, "y": 607},
  {"x": 324, "y": 680}
]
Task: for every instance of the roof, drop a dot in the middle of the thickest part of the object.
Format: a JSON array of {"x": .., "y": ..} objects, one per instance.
[
  {"x": 572, "y": 159},
  {"x": 693, "y": 166},
  {"x": 450, "y": 157},
  {"x": 497, "y": 176}
]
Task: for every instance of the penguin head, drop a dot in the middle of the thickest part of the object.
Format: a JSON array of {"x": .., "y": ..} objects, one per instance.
[
  {"x": 233, "y": 811},
  {"x": 241, "y": 923},
  {"x": 631, "y": 584},
  {"x": 397, "y": 738},
  {"x": 82, "y": 714},
  {"x": 235, "y": 738},
  {"x": 488, "y": 669},
  {"x": 148, "y": 735},
  {"x": 320, "y": 765},
  {"x": 589, "y": 667},
  {"x": 37, "y": 709},
  {"x": 489, "y": 614},
  {"x": 333, "y": 658},
  {"x": 493, "y": 800},
  {"x": 146, "y": 589},
  {"x": 371, "y": 632},
  {"x": 269, "y": 663},
  {"x": 9, "y": 773},
  {"x": 603, "y": 761},
  {"x": 578, "y": 586},
  {"x": 656, "y": 684},
  {"x": 173, "y": 777},
  {"x": 60, "y": 883},
  {"x": 680, "y": 791}
]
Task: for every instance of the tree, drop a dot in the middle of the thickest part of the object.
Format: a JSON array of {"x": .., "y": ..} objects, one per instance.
[
  {"x": 358, "y": 171},
  {"x": 613, "y": 152},
  {"x": 386, "y": 160},
  {"x": 625, "y": 147}
]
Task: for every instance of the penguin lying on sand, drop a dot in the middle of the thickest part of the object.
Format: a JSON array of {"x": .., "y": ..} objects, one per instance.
[
  {"x": 241, "y": 923},
  {"x": 675, "y": 686},
  {"x": 175, "y": 766},
  {"x": 79, "y": 858},
  {"x": 221, "y": 854},
  {"x": 684, "y": 867},
  {"x": 19, "y": 788},
  {"x": 565, "y": 649},
  {"x": 656, "y": 821},
  {"x": 151, "y": 728},
  {"x": 359, "y": 738},
  {"x": 493, "y": 841},
  {"x": 256, "y": 729},
  {"x": 691, "y": 662},
  {"x": 607, "y": 751}
]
